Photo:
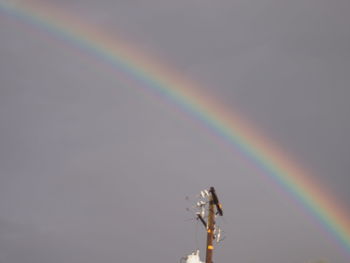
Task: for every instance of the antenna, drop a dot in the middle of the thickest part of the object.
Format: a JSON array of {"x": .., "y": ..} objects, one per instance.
[
  {"x": 214, "y": 208},
  {"x": 213, "y": 203},
  {"x": 216, "y": 201}
]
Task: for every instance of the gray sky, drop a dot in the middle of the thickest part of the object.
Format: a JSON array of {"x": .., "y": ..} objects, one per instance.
[{"x": 93, "y": 170}]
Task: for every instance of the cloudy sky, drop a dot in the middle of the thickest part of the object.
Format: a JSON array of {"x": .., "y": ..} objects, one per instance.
[{"x": 95, "y": 170}]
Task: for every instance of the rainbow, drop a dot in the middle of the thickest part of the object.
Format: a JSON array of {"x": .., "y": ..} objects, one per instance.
[{"x": 155, "y": 77}]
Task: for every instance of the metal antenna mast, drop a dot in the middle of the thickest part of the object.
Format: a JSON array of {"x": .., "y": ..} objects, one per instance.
[
  {"x": 213, "y": 203},
  {"x": 210, "y": 230},
  {"x": 208, "y": 207}
]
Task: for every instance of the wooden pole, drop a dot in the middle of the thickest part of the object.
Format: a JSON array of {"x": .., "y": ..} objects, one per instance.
[{"x": 210, "y": 230}]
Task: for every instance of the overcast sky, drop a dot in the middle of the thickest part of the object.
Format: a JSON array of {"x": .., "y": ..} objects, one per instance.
[{"x": 93, "y": 170}]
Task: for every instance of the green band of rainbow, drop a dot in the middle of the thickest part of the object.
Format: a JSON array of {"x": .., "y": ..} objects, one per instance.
[{"x": 154, "y": 76}]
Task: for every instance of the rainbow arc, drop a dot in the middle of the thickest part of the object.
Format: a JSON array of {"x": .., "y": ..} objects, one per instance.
[{"x": 134, "y": 65}]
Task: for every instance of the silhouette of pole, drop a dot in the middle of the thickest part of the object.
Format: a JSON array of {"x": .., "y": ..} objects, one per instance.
[{"x": 210, "y": 229}]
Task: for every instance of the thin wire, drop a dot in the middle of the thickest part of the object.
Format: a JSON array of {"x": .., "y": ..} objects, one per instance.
[{"x": 196, "y": 235}]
